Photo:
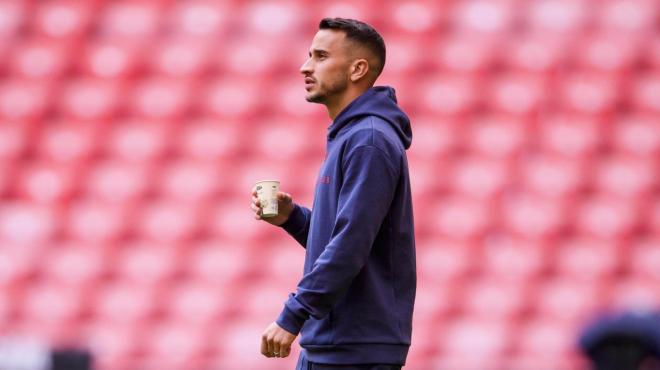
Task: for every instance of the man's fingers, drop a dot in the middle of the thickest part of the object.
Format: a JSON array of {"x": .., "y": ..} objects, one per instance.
[
  {"x": 284, "y": 197},
  {"x": 277, "y": 348},
  {"x": 264, "y": 346},
  {"x": 285, "y": 351},
  {"x": 271, "y": 346}
]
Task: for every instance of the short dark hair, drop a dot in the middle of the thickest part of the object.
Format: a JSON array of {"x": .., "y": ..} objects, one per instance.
[{"x": 361, "y": 33}]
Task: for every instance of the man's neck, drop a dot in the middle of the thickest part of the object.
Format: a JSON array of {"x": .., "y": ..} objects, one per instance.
[{"x": 343, "y": 101}]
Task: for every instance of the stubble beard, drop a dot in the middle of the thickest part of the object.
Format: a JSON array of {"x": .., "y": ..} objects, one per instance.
[{"x": 323, "y": 95}]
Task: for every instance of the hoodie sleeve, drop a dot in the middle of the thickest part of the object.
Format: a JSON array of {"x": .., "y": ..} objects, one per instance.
[
  {"x": 298, "y": 224},
  {"x": 366, "y": 193}
]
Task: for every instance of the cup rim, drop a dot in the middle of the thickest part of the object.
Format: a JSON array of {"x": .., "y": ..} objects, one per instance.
[{"x": 258, "y": 182}]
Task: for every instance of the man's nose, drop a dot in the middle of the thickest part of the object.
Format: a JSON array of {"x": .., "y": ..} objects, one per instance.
[{"x": 306, "y": 68}]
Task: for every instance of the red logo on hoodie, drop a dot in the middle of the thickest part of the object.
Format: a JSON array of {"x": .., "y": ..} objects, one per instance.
[{"x": 324, "y": 180}]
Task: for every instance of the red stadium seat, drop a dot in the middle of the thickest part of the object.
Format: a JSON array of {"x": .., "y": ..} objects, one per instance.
[
  {"x": 405, "y": 54},
  {"x": 460, "y": 218},
  {"x": 552, "y": 176},
  {"x": 571, "y": 136},
  {"x": 18, "y": 263},
  {"x": 191, "y": 181},
  {"x": 532, "y": 217},
  {"x": 123, "y": 303},
  {"x": 538, "y": 53},
  {"x": 23, "y": 99},
  {"x": 90, "y": 99},
  {"x": 589, "y": 93},
  {"x": 181, "y": 58},
  {"x": 272, "y": 139},
  {"x": 496, "y": 136},
  {"x": 14, "y": 139},
  {"x": 146, "y": 263},
  {"x": 415, "y": 18},
  {"x": 24, "y": 223},
  {"x": 207, "y": 140},
  {"x": 637, "y": 135},
  {"x": 604, "y": 217},
  {"x": 448, "y": 94},
  {"x": 40, "y": 59},
  {"x": 628, "y": 17},
  {"x": 175, "y": 346},
  {"x": 637, "y": 292},
  {"x": 473, "y": 343},
  {"x": 557, "y": 17},
  {"x": 225, "y": 218},
  {"x": 435, "y": 137},
  {"x": 462, "y": 54},
  {"x": 645, "y": 92},
  {"x": 130, "y": 19},
  {"x": 509, "y": 259},
  {"x": 653, "y": 220},
  {"x": 282, "y": 18},
  {"x": 75, "y": 265},
  {"x": 96, "y": 222},
  {"x": 66, "y": 143},
  {"x": 494, "y": 300},
  {"x": 547, "y": 339},
  {"x": 160, "y": 98},
  {"x": 166, "y": 221},
  {"x": 586, "y": 260},
  {"x": 63, "y": 18},
  {"x": 114, "y": 346},
  {"x": 345, "y": 9},
  {"x": 110, "y": 58},
  {"x": 218, "y": 262},
  {"x": 478, "y": 177},
  {"x": 231, "y": 97},
  {"x": 116, "y": 181},
  {"x": 608, "y": 52},
  {"x": 625, "y": 177},
  {"x": 487, "y": 17},
  {"x": 48, "y": 303},
  {"x": 645, "y": 256},
  {"x": 197, "y": 303},
  {"x": 48, "y": 183},
  {"x": 14, "y": 14},
  {"x": 138, "y": 141},
  {"x": 200, "y": 18},
  {"x": 244, "y": 58},
  {"x": 443, "y": 261},
  {"x": 517, "y": 94},
  {"x": 562, "y": 300}
]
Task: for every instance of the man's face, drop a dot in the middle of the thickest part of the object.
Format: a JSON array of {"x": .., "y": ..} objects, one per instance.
[{"x": 326, "y": 69}]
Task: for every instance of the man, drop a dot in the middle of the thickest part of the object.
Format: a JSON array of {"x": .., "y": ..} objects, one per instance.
[{"x": 354, "y": 304}]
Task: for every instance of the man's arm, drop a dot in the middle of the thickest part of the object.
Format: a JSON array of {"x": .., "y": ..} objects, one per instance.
[
  {"x": 367, "y": 191},
  {"x": 298, "y": 224}
]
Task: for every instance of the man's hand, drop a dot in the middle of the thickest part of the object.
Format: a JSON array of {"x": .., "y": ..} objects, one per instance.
[
  {"x": 284, "y": 206},
  {"x": 276, "y": 342}
]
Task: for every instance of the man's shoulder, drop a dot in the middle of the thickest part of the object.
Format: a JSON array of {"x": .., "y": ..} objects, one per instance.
[{"x": 373, "y": 131}]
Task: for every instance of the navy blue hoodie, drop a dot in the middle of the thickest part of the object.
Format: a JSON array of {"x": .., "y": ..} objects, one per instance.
[{"x": 354, "y": 303}]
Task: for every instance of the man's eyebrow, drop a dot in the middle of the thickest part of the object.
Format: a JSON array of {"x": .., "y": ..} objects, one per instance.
[{"x": 318, "y": 51}]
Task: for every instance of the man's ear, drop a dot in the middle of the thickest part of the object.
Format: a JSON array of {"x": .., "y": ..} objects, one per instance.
[{"x": 359, "y": 69}]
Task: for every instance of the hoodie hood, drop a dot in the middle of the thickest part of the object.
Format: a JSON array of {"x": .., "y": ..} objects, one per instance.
[{"x": 379, "y": 101}]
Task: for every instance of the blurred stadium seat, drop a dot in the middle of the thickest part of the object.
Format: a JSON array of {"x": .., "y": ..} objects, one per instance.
[{"x": 131, "y": 134}]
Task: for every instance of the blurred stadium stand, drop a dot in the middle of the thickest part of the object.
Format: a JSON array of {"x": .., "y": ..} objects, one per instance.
[{"x": 131, "y": 133}]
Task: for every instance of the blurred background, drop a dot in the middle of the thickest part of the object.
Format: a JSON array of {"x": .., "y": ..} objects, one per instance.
[{"x": 132, "y": 132}]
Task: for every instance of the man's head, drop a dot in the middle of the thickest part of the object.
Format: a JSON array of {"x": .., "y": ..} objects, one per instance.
[{"x": 345, "y": 54}]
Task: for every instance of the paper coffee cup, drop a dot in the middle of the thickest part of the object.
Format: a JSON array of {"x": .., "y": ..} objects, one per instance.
[{"x": 267, "y": 194}]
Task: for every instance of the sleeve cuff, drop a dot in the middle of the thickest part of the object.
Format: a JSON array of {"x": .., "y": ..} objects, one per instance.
[
  {"x": 296, "y": 221},
  {"x": 290, "y": 322}
]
